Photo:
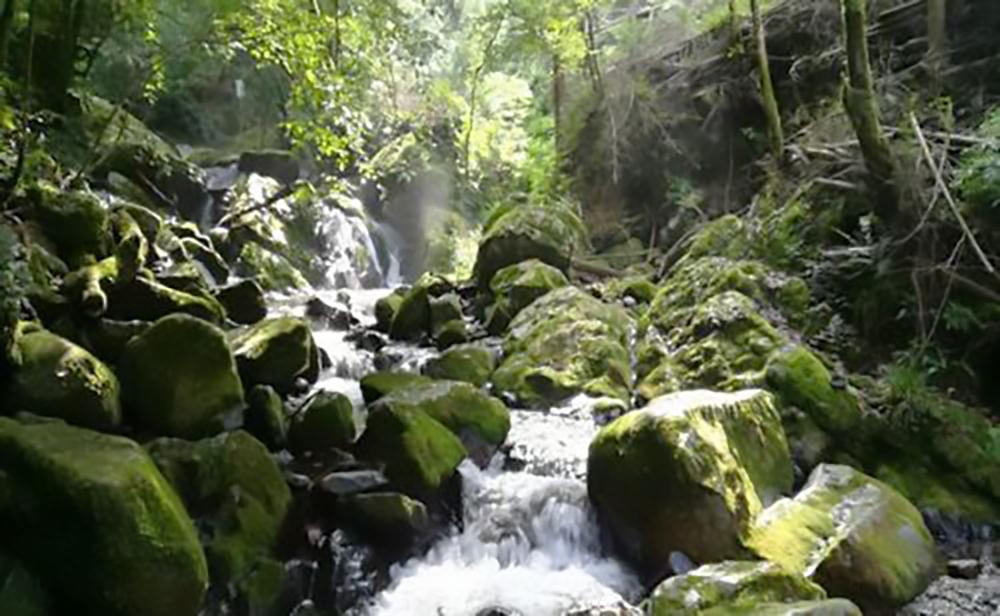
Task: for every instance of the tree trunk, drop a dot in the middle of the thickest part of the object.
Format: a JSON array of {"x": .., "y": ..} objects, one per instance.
[
  {"x": 558, "y": 94},
  {"x": 53, "y": 69},
  {"x": 6, "y": 25},
  {"x": 862, "y": 108},
  {"x": 776, "y": 134},
  {"x": 937, "y": 36}
]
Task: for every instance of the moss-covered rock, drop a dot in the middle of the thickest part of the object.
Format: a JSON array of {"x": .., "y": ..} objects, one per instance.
[
  {"x": 180, "y": 379},
  {"x": 326, "y": 422},
  {"x": 386, "y": 518},
  {"x": 451, "y": 333},
  {"x": 386, "y": 309},
  {"x": 412, "y": 320},
  {"x": 76, "y": 222},
  {"x": 148, "y": 300},
  {"x": 265, "y": 417},
  {"x": 131, "y": 246},
  {"x": 802, "y": 382},
  {"x": 827, "y": 607},
  {"x": 205, "y": 256},
  {"x": 730, "y": 587},
  {"x": 470, "y": 363},
  {"x": 565, "y": 343},
  {"x": 480, "y": 421},
  {"x": 244, "y": 302},
  {"x": 552, "y": 233},
  {"x": 726, "y": 236},
  {"x": 378, "y": 385},
  {"x": 169, "y": 181},
  {"x": 276, "y": 352},
  {"x": 149, "y": 221},
  {"x": 688, "y": 473},
  {"x": 236, "y": 492},
  {"x": 87, "y": 288},
  {"x": 273, "y": 271},
  {"x": 514, "y": 288},
  {"x": 446, "y": 308},
  {"x": 57, "y": 378},
  {"x": 419, "y": 453},
  {"x": 853, "y": 535},
  {"x": 93, "y": 518}
]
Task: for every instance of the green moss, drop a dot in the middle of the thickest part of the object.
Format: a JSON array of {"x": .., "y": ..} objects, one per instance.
[
  {"x": 412, "y": 320},
  {"x": 274, "y": 352},
  {"x": 465, "y": 410},
  {"x": 514, "y": 288},
  {"x": 86, "y": 287},
  {"x": 386, "y": 309},
  {"x": 829, "y": 607},
  {"x": 730, "y": 587},
  {"x": 726, "y": 236},
  {"x": 96, "y": 522},
  {"x": 451, "y": 333},
  {"x": 235, "y": 490},
  {"x": 688, "y": 473},
  {"x": 802, "y": 381},
  {"x": 148, "y": 300},
  {"x": 470, "y": 363},
  {"x": 265, "y": 417},
  {"x": 326, "y": 422},
  {"x": 387, "y": 518},
  {"x": 565, "y": 343},
  {"x": 378, "y": 385},
  {"x": 56, "y": 378},
  {"x": 445, "y": 308},
  {"x": 180, "y": 379},
  {"x": 552, "y": 233},
  {"x": 854, "y": 535},
  {"x": 273, "y": 271},
  {"x": 75, "y": 221},
  {"x": 418, "y": 453}
]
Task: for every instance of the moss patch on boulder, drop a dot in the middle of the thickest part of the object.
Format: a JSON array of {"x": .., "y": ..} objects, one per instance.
[
  {"x": 76, "y": 222},
  {"x": 326, "y": 422},
  {"x": 275, "y": 352},
  {"x": 514, "y": 288},
  {"x": 469, "y": 363},
  {"x": 688, "y": 473},
  {"x": 853, "y": 535},
  {"x": 566, "y": 343},
  {"x": 56, "y": 378},
  {"x": 378, "y": 385},
  {"x": 180, "y": 379},
  {"x": 94, "y": 519},
  {"x": 235, "y": 490}
]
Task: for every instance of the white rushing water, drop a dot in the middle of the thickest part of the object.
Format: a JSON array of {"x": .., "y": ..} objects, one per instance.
[{"x": 530, "y": 546}]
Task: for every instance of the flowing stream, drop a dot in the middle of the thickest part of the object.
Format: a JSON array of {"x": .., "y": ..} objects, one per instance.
[{"x": 529, "y": 544}]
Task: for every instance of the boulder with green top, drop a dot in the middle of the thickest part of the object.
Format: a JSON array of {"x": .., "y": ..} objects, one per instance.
[
  {"x": 180, "y": 379},
  {"x": 88, "y": 287},
  {"x": 412, "y": 320},
  {"x": 566, "y": 343},
  {"x": 853, "y": 535},
  {"x": 378, "y": 385},
  {"x": 418, "y": 453},
  {"x": 445, "y": 308},
  {"x": 265, "y": 417},
  {"x": 451, "y": 333},
  {"x": 386, "y": 518},
  {"x": 738, "y": 587},
  {"x": 470, "y": 363},
  {"x": 92, "y": 517},
  {"x": 801, "y": 381},
  {"x": 244, "y": 302},
  {"x": 131, "y": 246},
  {"x": 76, "y": 222},
  {"x": 688, "y": 473},
  {"x": 275, "y": 352},
  {"x": 205, "y": 256},
  {"x": 479, "y": 420},
  {"x": 57, "y": 378},
  {"x": 148, "y": 300},
  {"x": 235, "y": 491},
  {"x": 325, "y": 422},
  {"x": 514, "y": 288},
  {"x": 552, "y": 233},
  {"x": 386, "y": 309}
]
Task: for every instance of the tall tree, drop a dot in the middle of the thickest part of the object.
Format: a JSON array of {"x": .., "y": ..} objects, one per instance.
[
  {"x": 776, "y": 135},
  {"x": 10, "y": 8},
  {"x": 937, "y": 35},
  {"x": 862, "y": 107}
]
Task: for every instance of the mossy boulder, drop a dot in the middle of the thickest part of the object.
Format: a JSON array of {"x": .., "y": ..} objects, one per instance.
[
  {"x": 244, "y": 302},
  {"x": 57, "y": 378},
  {"x": 566, "y": 343},
  {"x": 76, "y": 222},
  {"x": 272, "y": 270},
  {"x": 202, "y": 253},
  {"x": 325, "y": 422},
  {"x": 386, "y": 309},
  {"x": 688, "y": 473},
  {"x": 479, "y": 420},
  {"x": 413, "y": 318},
  {"x": 853, "y": 535},
  {"x": 802, "y": 382},
  {"x": 180, "y": 379},
  {"x": 146, "y": 299},
  {"x": 265, "y": 417},
  {"x": 730, "y": 587},
  {"x": 727, "y": 236},
  {"x": 235, "y": 491},
  {"x": 131, "y": 246},
  {"x": 386, "y": 518},
  {"x": 88, "y": 287},
  {"x": 168, "y": 181},
  {"x": 470, "y": 363},
  {"x": 514, "y": 288},
  {"x": 419, "y": 454},
  {"x": 444, "y": 309},
  {"x": 451, "y": 333},
  {"x": 552, "y": 233},
  {"x": 378, "y": 385},
  {"x": 276, "y": 352},
  {"x": 92, "y": 517}
]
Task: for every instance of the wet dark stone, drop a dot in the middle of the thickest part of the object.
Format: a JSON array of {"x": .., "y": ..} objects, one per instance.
[
  {"x": 335, "y": 317},
  {"x": 352, "y": 482},
  {"x": 368, "y": 340},
  {"x": 965, "y": 569}
]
